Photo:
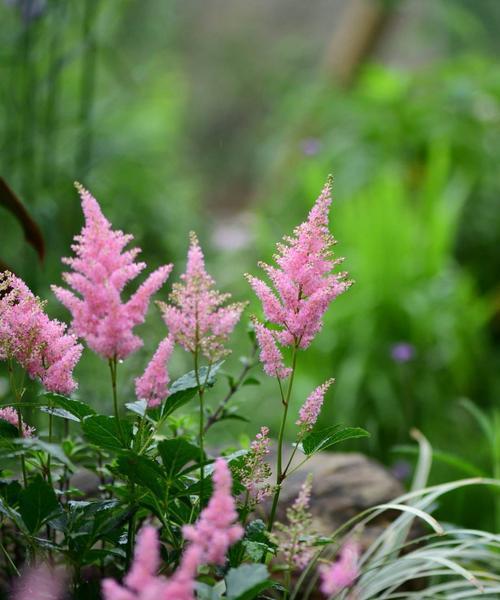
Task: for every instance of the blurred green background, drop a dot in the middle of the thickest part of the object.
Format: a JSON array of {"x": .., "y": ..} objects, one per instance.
[{"x": 226, "y": 116}]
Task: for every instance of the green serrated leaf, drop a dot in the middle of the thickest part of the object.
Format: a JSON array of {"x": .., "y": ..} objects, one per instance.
[
  {"x": 139, "y": 407},
  {"x": 103, "y": 431},
  {"x": 178, "y": 399},
  {"x": 324, "y": 438},
  {"x": 54, "y": 450},
  {"x": 185, "y": 388},
  {"x": 206, "y": 592},
  {"x": 251, "y": 381},
  {"x": 59, "y": 412},
  {"x": 143, "y": 471},
  {"x": 255, "y": 550},
  {"x": 176, "y": 454},
  {"x": 7, "y": 430},
  {"x": 37, "y": 502},
  {"x": 78, "y": 409},
  {"x": 246, "y": 581}
]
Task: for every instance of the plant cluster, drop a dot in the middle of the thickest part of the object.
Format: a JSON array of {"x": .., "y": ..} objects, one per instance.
[{"x": 169, "y": 518}]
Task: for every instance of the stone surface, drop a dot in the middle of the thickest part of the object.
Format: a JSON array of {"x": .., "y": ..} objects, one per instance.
[{"x": 343, "y": 485}]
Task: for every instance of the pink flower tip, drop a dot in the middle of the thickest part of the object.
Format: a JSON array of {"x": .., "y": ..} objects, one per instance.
[
  {"x": 342, "y": 573},
  {"x": 309, "y": 412}
]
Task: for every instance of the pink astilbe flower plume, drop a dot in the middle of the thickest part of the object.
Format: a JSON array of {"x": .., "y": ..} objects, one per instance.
[
  {"x": 255, "y": 470},
  {"x": 40, "y": 583},
  {"x": 210, "y": 539},
  {"x": 39, "y": 344},
  {"x": 303, "y": 281},
  {"x": 196, "y": 316},
  {"x": 296, "y": 539},
  {"x": 152, "y": 386},
  {"x": 216, "y": 529},
  {"x": 309, "y": 412},
  {"x": 101, "y": 269},
  {"x": 342, "y": 573},
  {"x": 10, "y": 415}
]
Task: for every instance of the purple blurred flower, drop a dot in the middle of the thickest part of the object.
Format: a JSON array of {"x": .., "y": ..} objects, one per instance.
[
  {"x": 402, "y": 352},
  {"x": 28, "y": 9},
  {"x": 311, "y": 146},
  {"x": 401, "y": 470}
]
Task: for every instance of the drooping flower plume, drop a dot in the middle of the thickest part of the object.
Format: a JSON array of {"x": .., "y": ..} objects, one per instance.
[
  {"x": 296, "y": 538},
  {"x": 152, "y": 386},
  {"x": 10, "y": 415},
  {"x": 255, "y": 471},
  {"x": 309, "y": 412},
  {"x": 39, "y": 344},
  {"x": 196, "y": 316},
  {"x": 303, "y": 281},
  {"x": 101, "y": 268},
  {"x": 270, "y": 355},
  {"x": 209, "y": 540},
  {"x": 216, "y": 529},
  {"x": 342, "y": 573}
]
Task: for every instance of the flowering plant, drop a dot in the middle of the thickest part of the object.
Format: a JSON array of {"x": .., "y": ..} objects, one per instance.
[{"x": 169, "y": 519}]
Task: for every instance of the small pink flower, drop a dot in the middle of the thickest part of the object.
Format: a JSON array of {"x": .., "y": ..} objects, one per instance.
[
  {"x": 216, "y": 529},
  {"x": 303, "y": 281},
  {"x": 196, "y": 316},
  {"x": 152, "y": 386},
  {"x": 39, "y": 344},
  {"x": 270, "y": 354},
  {"x": 309, "y": 413},
  {"x": 100, "y": 270},
  {"x": 9, "y": 414},
  {"x": 342, "y": 573}
]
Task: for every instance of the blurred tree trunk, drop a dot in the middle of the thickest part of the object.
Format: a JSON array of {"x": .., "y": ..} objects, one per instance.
[{"x": 360, "y": 27}]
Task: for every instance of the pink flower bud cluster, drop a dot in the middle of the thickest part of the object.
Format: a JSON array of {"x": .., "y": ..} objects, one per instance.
[
  {"x": 255, "y": 472},
  {"x": 39, "y": 344},
  {"x": 9, "y": 414},
  {"x": 303, "y": 282},
  {"x": 100, "y": 271},
  {"x": 342, "y": 573},
  {"x": 295, "y": 540},
  {"x": 210, "y": 539},
  {"x": 309, "y": 413},
  {"x": 152, "y": 386},
  {"x": 196, "y": 317}
]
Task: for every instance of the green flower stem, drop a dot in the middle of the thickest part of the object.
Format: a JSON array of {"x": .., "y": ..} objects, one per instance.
[
  {"x": 18, "y": 397},
  {"x": 113, "y": 364},
  {"x": 51, "y": 427},
  {"x": 201, "y": 392},
  {"x": 280, "y": 474}
]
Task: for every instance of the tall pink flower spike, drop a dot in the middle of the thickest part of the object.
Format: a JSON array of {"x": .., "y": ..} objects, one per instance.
[
  {"x": 196, "y": 316},
  {"x": 309, "y": 412},
  {"x": 39, "y": 344},
  {"x": 342, "y": 573},
  {"x": 216, "y": 530},
  {"x": 209, "y": 538},
  {"x": 152, "y": 386},
  {"x": 303, "y": 282},
  {"x": 100, "y": 271}
]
